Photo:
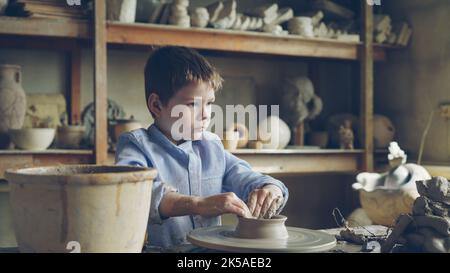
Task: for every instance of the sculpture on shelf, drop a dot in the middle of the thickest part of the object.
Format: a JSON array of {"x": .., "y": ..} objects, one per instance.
[
  {"x": 115, "y": 111},
  {"x": 121, "y": 10},
  {"x": 346, "y": 135},
  {"x": 299, "y": 104},
  {"x": 273, "y": 133},
  {"x": 12, "y": 102},
  {"x": 383, "y": 131},
  {"x": 385, "y": 196},
  {"x": 179, "y": 15}
]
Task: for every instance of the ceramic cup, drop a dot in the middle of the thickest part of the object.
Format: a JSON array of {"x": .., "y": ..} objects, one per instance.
[{"x": 250, "y": 228}]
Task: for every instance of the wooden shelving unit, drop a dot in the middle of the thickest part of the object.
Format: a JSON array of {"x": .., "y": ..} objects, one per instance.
[{"x": 99, "y": 33}]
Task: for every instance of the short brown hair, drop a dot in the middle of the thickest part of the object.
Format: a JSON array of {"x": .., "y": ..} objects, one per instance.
[{"x": 170, "y": 68}]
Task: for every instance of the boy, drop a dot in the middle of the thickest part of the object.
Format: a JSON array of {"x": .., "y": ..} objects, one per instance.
[{"x": 197, "y": 179}]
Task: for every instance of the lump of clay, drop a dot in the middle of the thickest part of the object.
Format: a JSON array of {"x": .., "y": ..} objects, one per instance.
[{"x": 437, "y": 189}]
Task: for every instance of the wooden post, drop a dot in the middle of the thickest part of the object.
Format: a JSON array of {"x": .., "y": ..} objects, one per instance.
[
  {"x": 75, "y": 87},
  {"x": 300, "y": 135},
  {"x": 366, "y": 62},
  {"x": 100, "y": 83}
]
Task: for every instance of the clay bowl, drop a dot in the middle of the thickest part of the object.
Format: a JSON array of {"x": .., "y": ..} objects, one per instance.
[
  {"x": 34, "y": 139},
  {"x": 250, "y": 228},
  {"x": 70, "y": 136}
]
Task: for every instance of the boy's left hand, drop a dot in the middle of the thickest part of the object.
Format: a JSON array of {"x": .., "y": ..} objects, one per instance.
[{"x": 264, "y": 202}]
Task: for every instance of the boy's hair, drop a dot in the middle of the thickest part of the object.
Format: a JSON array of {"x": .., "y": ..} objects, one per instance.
[{"x": 170, "y": 68}]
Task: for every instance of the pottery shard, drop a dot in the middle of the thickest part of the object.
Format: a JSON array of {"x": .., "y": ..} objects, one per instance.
[
  {"x": 245, "y": 22},
  {"x": 284, "y": 15},
  {"x": 238, "y": 22},
  {"x": 227, "y": 15},
  {"x": 436, "y": 189},
  {"x": 214, "y": 10}
]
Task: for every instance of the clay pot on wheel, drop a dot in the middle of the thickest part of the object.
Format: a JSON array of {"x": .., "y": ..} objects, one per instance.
[{"x": 250, "y": 228}]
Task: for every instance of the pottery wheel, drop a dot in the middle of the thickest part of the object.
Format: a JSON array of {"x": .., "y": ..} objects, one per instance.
[{"x": 300, "y": 240}]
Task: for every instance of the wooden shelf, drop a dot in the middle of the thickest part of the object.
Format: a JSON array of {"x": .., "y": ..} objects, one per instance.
[
  {"x": 46, "y": 152},
  {"x": 306, "y": 161},
  {"x": 233, "y": 41},
  {"x": 75, "y": 29},
  {"x": 141, "y": 34}
]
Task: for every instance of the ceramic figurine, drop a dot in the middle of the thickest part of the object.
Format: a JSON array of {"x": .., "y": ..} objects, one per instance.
[
  {"x": 179, "y": 15},
  {"x": 121, "y": 10},
  {"x": 199, "y": 17},
  {"x": 346, "y": 135},
  {"x": 383, "y": 131},
  {"x": 12, "y": 102},
  {"x": 385, "y": 196}
]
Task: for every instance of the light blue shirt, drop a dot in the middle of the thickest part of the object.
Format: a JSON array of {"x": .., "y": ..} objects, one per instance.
[{"x": 198, "y": 168}]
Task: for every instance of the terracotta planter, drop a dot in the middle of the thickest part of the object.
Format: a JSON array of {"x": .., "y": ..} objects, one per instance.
[
  {"x": 91, "y": 208},
  {"x": 33, "y": 139},
  {"x": 12, "y": 102}
]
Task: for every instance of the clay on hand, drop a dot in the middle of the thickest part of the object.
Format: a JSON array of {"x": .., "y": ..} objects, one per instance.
[
  {"x": 221, "y": 204},
  {"x": 264, "y": 203}
]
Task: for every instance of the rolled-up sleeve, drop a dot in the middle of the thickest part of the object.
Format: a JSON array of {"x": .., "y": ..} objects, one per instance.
[
  {"x": 242, "y": 180},
  {"x": 128, "y": 153}
]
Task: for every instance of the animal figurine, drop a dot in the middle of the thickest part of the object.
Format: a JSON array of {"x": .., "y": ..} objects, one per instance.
[{"x": 346, "y": 135}]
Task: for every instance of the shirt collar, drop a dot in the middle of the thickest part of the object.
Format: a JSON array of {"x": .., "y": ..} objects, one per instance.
[{"x": 159, "y": 137}]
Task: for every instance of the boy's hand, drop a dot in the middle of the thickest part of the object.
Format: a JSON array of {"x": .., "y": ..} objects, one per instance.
[
  {"x": 264, "y": 202},
  {"x": 220, "y": 204}
]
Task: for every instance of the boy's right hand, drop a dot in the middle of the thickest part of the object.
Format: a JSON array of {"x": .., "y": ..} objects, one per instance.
[{"x": 216, "y": 205}]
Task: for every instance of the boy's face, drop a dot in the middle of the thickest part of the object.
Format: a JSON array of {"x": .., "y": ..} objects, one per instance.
[{"x": 188, "y": 113}]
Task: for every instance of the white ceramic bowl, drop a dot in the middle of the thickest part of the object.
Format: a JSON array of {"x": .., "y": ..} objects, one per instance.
[{"x": 34, "y": 139}]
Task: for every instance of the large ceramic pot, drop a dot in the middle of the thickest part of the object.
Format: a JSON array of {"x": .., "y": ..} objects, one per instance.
[
  {"x": 12, "y": 102},
  {"x": 81, "y": 208}
]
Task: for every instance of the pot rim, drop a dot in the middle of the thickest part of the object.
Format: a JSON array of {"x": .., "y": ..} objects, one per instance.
[
  {"x": 275, "y": 219},
  {"x": 128, "y": 174}
]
